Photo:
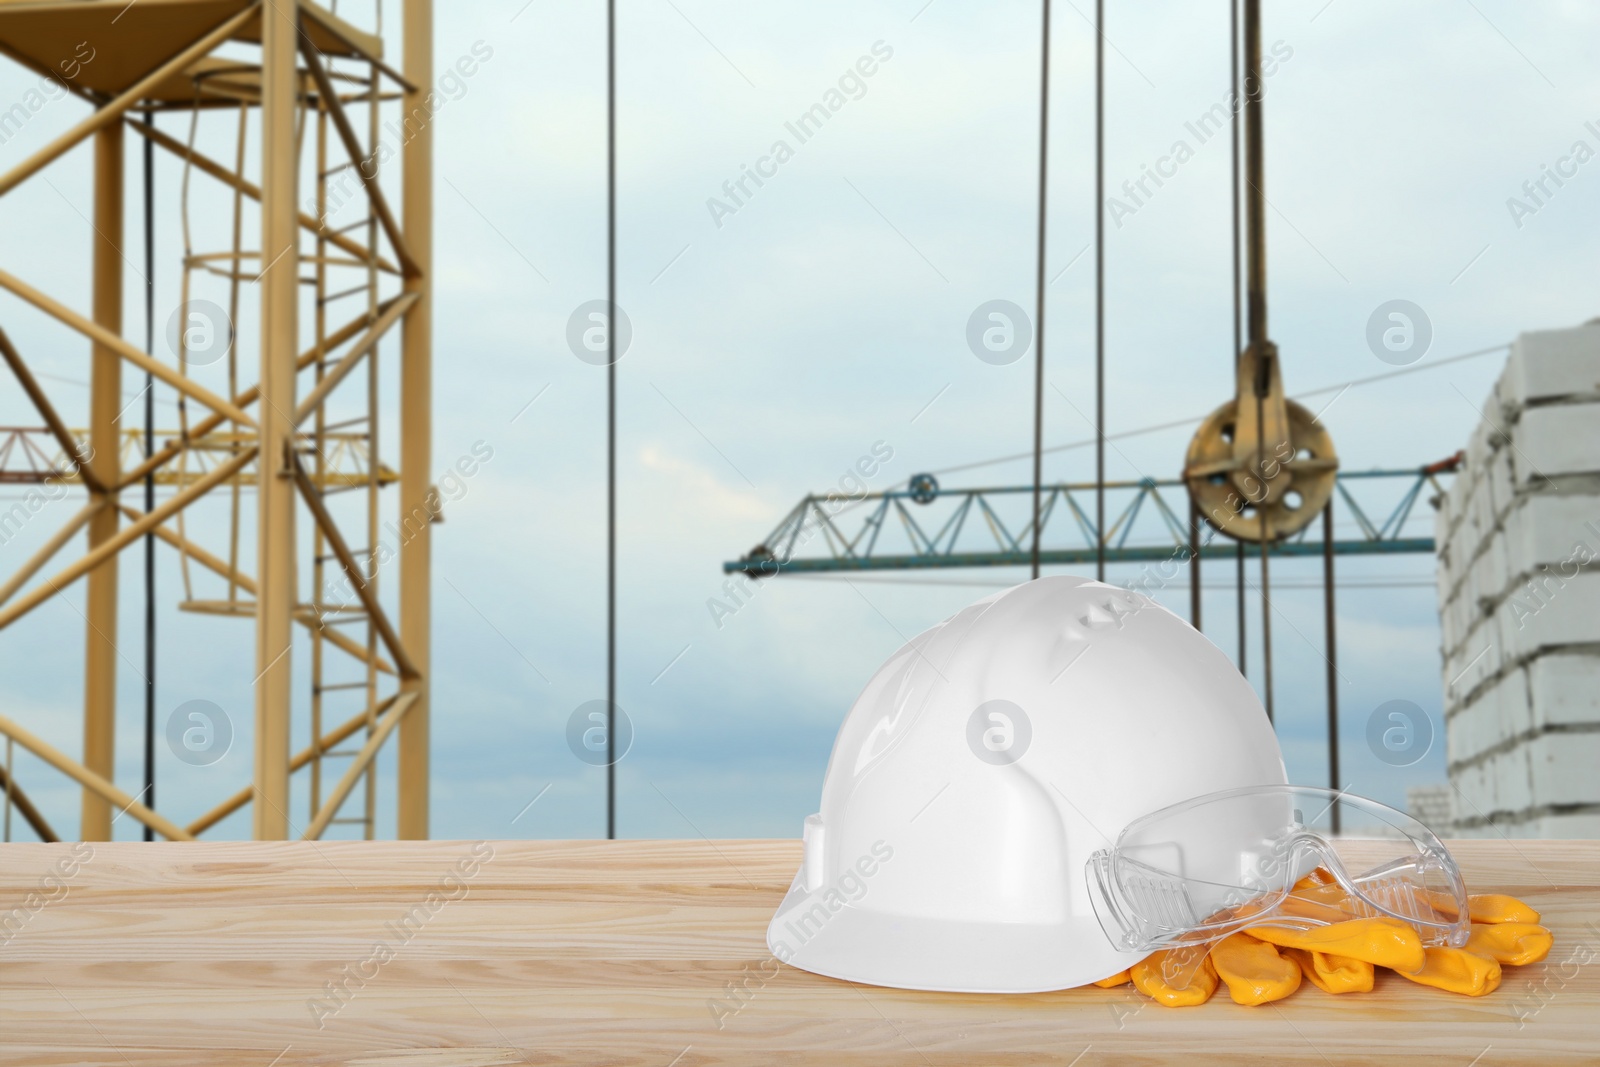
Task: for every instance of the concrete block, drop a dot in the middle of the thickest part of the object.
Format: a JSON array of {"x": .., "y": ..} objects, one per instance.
[
  {"x": 1473, "y": 792},
  {"x": 1565, "y": 825},
  {"x": 1467, "y": 622},
  {"x": 1565, "y": 689},
  {"x": 1552, "y": 530},
  {"x": 1472, "y": 627},
  {"x": 1490, "y": 522},
  {"x": 1512, "y": 631},
  {"x": 1546, "y": 364},
  {"x": 1511, "y": 695},
  {"x": 1466, "y": 589},
  {"x": 1498, "y": 566},
  {"x": 1485, "y": 627},
  {"x": 1502, "y": 481},
  {"x": 1495, "y": 717},
  {"x": 1469, "y": 728},
  {"x": 1552, "y": 441},
  {"x": 1512, "y": 777},
  {"x": 1431, "y": 806},
  {"x": 1465, "y": 730},
  {"x": 1447, "y": 627},
  {"x": 1496, "y": 654},
  {"x": 1450, "y": 505},
  {"x": 1562, "y": 768},
  {"x": 1477, "y": 460},
  {"x": 1449, "y": 620},
  {"x": 1480, "y": 518},
  {"x": 1463, "y": 589},
  {"x": 1458, "y": 739},
  {"x": 1469, "y": 532},
  {"x": 1550, "y": 613},
  {"x": 1443, "y": 568},
  {"x": 1490, "y": 574},
  {"x": 1471, "y": 591},
  {"x": 1461, "y": 493},
  {"x": 1464, "y": 668},
  {"x": 1456, "y": 517}
]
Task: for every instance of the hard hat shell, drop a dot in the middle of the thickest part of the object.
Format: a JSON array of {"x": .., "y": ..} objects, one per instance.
[{"x": 981, "y": 767}]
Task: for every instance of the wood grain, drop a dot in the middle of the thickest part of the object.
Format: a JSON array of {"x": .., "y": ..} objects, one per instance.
[{"x": 585, "y": 952}]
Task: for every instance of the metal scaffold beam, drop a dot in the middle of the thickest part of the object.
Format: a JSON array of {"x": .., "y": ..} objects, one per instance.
[
  {"x": 945, "y": 528},
  {"x": 279, "y": 282},
  {"x": 417, "y": 496},
  {"x": 105, "y": 404}
]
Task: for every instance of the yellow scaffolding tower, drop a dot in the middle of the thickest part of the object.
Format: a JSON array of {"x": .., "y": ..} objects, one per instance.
[{"x": 309, "y": 69}]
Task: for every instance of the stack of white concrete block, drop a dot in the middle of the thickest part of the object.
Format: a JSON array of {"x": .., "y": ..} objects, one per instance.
[
  {"x": 1430, "y": 805},
  {"x": 1519, "y": 598}
]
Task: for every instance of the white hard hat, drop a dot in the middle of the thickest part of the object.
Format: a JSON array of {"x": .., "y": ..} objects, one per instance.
[{"x": 981, "y": 768}]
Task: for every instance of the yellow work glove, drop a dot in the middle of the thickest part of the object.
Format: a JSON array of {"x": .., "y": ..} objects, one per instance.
[
  {"x": 1265, "y": 963},
  {"x": 1457, "y": 970},
  {"x": 1383, "y": 942},
  {"x": 1254, "y": 971},
  {"x": 1146, "y": 975},
  {"x": 1320, "y": 886},
  {"x": 1325, "y": 902},
  {"x": 1499, "y": 908},
  {"x": 1320, "y": 876},
  {"x": 1512, "y": 944},
  {"x": 1333, "y": 973},
  {"x": 1485, "y": 907}
]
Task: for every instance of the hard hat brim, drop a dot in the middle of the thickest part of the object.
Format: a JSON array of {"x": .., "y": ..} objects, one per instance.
[{"x": 828, "y": 936}]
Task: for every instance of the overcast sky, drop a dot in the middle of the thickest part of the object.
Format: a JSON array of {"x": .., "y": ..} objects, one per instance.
[{"x": 780, "y": 337}]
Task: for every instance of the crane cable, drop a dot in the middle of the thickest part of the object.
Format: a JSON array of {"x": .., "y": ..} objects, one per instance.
[
  {"x": 1099, "y": 295},
  {"x": 1337, "y": 387},
  {"x": 1256, "y": 209},
  {"x": 611, "y": 420},
  {"x": 149, "y": 794},
  {"x": 1238, "y": 340},
  {"x": 1039, "y": 282}
]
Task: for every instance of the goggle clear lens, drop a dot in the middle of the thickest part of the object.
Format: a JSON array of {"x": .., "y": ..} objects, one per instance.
[{"x": 1186, "y": 876}]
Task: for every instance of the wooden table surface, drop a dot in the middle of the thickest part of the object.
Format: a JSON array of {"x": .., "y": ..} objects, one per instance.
[{"x": 462, "y": 953}]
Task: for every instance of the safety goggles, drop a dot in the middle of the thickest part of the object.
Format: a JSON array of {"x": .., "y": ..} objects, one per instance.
[{"x": 1186, "y": 876}]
